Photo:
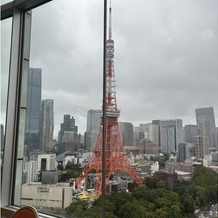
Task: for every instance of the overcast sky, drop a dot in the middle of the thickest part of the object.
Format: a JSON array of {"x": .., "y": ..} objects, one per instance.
[{"x": 165, "y": 57}]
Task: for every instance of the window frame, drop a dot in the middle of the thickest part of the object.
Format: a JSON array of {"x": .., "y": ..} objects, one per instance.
[{"x": 11, "y": 178}]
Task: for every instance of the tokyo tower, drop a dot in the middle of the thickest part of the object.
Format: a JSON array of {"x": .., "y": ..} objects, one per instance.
[{"x": 115, "y": 157}]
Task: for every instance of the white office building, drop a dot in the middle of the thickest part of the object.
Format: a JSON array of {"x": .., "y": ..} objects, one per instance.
[{"x": 46, "y": 162}]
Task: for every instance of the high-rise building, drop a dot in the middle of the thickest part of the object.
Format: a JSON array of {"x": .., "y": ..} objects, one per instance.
[
  {"x": 93, "y": 123},
  {"x": 47, "y": 125},
  {"x": 126, "y": 133},
  {"x": 190, "y": 131},
  {"x": 148, "y": 131},
  {"x": 170, "y": 134},
  {"x": 68, "y": 125},
  {"x": 30, "y": 171},
  {"x": 146, "y": 146},
  {"x": 93, "y": 120},
  {"x": 185, "y": 151},
  {"x": 153, "y": 133},
  {"x": 68, "y": 137},
  {"x": 138, "y": 135},
  {"x": 206, "y": 122},
  {"x": 199, "y": 149},
  {"x": 34, "y": 89}
]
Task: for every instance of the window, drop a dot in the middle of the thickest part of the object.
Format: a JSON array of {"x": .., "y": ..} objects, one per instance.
[
  {"x": 5, "y": 57},
  {"x": 165, "y": 65}
]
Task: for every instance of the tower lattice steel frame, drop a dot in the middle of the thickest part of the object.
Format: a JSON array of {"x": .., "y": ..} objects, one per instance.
[{"x": 116, "y": 159}]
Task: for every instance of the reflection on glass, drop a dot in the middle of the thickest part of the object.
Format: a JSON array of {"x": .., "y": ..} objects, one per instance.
[
  {"x": 5, "y": 58},
  {"x": 5, "y": 1}
]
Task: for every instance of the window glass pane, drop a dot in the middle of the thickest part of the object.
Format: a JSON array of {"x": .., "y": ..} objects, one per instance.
[
  {"x": 5, "y": 58},
  {"x": 61, "y": 89},
  {"x": 165, "y": 65}
]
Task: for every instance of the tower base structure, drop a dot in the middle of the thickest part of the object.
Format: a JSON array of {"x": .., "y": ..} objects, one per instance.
[{"x": 116, "y": 159}]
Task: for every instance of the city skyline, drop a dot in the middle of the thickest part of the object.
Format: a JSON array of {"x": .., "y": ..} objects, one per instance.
[
  {"x": 147, "y": 122},
  {"x": 165, "y": 58}
]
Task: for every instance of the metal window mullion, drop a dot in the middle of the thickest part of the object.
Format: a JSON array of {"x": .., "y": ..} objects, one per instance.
[
  {"x": 14, "y": 110},
  {"x": 25, "y": 54}
]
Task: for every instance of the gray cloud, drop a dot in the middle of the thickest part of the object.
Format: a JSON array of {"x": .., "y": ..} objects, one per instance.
[{"x": 165, "y": 57}]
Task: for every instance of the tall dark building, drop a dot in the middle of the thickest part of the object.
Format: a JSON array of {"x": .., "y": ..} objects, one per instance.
[
  {"x": 47, "y": 125},
  {"x": 67, "y": 125},
  {"x": 68, "y": 137},
  {"x": 32, "y": 138},
  {"x": 206, "y": 122}
]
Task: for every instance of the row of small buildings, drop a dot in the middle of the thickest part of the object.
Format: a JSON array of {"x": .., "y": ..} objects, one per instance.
[{"x": 50, "y": 193}]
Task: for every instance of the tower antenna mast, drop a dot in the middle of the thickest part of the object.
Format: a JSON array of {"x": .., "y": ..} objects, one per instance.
[{"x": 110, "y": 24}]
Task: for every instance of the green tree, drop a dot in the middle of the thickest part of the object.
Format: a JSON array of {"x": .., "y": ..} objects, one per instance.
[
  {"x": 151, "y": 183},
  {"x": 203, "y": 176},
  {"x": 175, "y": 211},
  {"x": 162, "y": 212},
  {"x": 187, "y": 203},
  {"x": 139, "y": 192},
  {"x": 161, "y": 184},
  {"x": 132, "y": 209},
  {"x": 119, "y": 199},
  {"x": 77, "y": 208}
]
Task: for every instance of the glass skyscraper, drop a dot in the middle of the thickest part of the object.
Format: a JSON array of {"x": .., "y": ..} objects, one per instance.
[
  {"x": 206, "y": 122},
  {"x": 171, "y": 134},
  {"x": 92, "y": 128},
  {"x": 32, "y": 139}
]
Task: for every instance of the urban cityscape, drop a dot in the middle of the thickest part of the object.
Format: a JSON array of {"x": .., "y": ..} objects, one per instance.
[{"x": 157, "y": 168}]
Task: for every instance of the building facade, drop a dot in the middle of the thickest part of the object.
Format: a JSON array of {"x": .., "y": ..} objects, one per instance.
[
  {"x": 170, "y": 134},
  {"x": 126, "y": 133},
  {"x": 169, "y": 178},
  {"x": 92, "y": 128},
  {"x": 30, "y": 172},
  {"x": 46, "y": 162},
  {"x": 200, "y": 149},
  {"x": 206, "y": 122},
  {"x": 47, "y": 125},
  {"x": 68, "y": 137},
  {"x": 185, "y": 151},
  {"x": 32, "y": 127},
  {"x": 148, "y": 131},
  {"x": 190, "y": 131},
  {"x": 39, "y": 195}
]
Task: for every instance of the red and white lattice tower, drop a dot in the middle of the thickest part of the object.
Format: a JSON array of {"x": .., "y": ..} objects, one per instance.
[{"x": 115, "y": 156}]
